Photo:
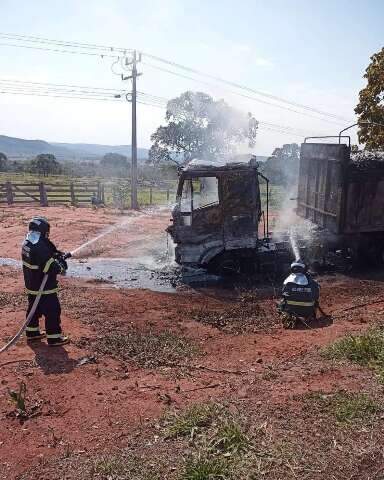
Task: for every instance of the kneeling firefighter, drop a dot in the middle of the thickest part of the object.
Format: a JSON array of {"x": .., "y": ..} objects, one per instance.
[
  {"x": 41, "y": 257},
  {"x": 300, "y": 292}
]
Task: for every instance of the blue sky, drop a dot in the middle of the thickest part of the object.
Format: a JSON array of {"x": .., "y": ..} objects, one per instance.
[{"x": 309, "y": 52}]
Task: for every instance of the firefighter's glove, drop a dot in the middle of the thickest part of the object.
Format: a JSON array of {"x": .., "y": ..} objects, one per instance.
[{"x": 63, "y": 264}]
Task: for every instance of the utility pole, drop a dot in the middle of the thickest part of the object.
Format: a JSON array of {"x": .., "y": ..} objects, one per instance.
[
  {"x": 133, "y": 62},
  {"x": 134, "y": 203}
]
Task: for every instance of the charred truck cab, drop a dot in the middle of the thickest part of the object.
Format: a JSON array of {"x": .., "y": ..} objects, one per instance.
[{"x": 216, "y": 219}]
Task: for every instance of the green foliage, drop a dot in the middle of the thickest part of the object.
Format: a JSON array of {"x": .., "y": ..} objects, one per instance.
[
  {"x": 3, "y": 162},
  {"x": 205, "y": 468},
  {"x": 371, "y": 104},
  {"x": 346, "y": 407},
  {"x": 282, "y": 168},
  {"x": 115, "y": 165},
  {"x": 121, "y": 194},
  {"x": 217, "y": 435},
  {"x": 19, "y": 397},
  {"x": 230, "y": 438},
  {"x": 349, "y": 408},
  {"x": 200, "y": 127},
  {"x": 45, "y": 164},
  {"x": 365, "y": 349},
  {"x": 189, "y": 421}
]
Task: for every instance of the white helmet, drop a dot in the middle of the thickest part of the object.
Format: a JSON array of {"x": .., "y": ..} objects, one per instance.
[{"x": 298, "y": 266}]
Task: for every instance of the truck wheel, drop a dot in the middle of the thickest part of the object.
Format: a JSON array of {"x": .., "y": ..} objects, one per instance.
[{"x": 225, "y": 265}]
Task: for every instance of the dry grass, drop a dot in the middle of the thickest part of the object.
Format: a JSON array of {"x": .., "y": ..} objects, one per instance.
[
  {"x": 244, "y": 315},
  {"x": 12, "y": 300},
  {"x": 148, "y": 350},
  {"x": 345, "y": 407},
  {"x": 122, "y": 467}
]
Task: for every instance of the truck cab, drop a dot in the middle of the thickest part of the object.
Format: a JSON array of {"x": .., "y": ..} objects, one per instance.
[{"x": 215, "y": 222}]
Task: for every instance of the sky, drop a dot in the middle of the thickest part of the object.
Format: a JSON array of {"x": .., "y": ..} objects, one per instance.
[{"x": 312, "y": 53}]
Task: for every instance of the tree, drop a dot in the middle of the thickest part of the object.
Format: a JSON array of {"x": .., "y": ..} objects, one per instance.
[
  {"x": 282, "y": 167},
  {"x": 115, "y": 164},
  {"x": 371, "y": 104},
  {"x": 45, "y": 164},
  {"x": 200, "y": 127},
  {"x": 3, "y": 162}
]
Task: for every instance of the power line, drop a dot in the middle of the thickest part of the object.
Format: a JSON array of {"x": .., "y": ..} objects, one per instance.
[
  {"x": 34, "y": 39},
  {"x": 258, "y": 100},
  {"x": 55, "y": 50},
  {"x": 73, "y": 96},
  {"x": 261, "y": 123},
  {"x": 241, "y": 87},
  {"x": 11, "y": 80},
  {"x": 123, "y": 51},
  {"x": 111, "y": 99},
  {"x": 22, "y": 87},
  {"x": 53, "y": 95}
]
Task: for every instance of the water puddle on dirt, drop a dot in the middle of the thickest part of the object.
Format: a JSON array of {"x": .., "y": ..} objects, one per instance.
[
  {"x": 147, "y": 272},
  {"x": 125, "y": 273},
  {"x": 150, "y": 272}
]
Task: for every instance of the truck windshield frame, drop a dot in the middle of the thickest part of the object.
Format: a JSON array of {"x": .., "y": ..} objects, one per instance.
[{"x": 189, "y": 198}]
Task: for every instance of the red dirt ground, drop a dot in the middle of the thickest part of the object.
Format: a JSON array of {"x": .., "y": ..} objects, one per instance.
[{"x": 94, "y": 406}]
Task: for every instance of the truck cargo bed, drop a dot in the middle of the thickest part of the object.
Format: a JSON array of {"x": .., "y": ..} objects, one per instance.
[{"x": 337, "y": 194}]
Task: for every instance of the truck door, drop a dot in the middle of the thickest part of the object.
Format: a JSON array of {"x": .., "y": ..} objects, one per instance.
[
  {"x": 241, "y": 209},
  {"x": 200, "y": 210},
  {"x": 206, "y": 206}
]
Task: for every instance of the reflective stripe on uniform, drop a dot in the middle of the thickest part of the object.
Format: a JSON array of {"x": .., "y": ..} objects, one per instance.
[
  {"x": 48, "y": 264},
  {"x": 33, "y": 329},
  {"x": 28, "y": 265},
  {"x": 55, "y": 335},
  {"x": 46, "y": 292},
  {"x": 301, "y": 304}
]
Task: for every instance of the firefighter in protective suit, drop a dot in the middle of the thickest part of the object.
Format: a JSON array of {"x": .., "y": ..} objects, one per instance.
[
  {"x": 40, "y": 256},
  {"x": 300, "y": 293}
]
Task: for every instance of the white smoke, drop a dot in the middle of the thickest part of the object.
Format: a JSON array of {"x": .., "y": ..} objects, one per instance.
[{"x": 289, "y": 226}]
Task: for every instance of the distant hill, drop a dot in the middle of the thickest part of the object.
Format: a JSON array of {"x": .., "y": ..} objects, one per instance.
[
  {"x": 100, "y": 150},
  {"x": 19, "y": 147}
]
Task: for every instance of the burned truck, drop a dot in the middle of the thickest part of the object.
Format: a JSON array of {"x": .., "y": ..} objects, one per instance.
[
  {"x": 218, "y": 218},
  {"x": 343, "y": 195}
]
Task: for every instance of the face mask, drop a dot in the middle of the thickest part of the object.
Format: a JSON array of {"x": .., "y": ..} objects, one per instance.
[{"x": 33, "y": 237}]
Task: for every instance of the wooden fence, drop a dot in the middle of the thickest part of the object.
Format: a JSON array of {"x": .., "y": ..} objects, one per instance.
[{"x": 78, "y": 194}]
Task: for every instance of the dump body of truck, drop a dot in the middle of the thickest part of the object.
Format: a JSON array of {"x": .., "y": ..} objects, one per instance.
[{"x": 343, "y": 197}]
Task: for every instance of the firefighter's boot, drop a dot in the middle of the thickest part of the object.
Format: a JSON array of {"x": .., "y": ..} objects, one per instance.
[
  {"x": 57, "y": 340},
  {"x": 34, "y": 334}
]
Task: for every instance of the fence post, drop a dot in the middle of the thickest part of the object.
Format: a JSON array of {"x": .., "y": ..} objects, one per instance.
[
  {"x": 43, "y": 195},
  {"x": 150, "y": 195},
  {"x": 73, "y": 196},
  {"x": 99, "y": 199},
  {"x": 167, "y": 194},
  {"x": 9, "y": 192}
]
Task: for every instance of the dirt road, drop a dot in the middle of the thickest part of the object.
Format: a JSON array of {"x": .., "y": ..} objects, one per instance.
[{"x": 137, "y": 354}]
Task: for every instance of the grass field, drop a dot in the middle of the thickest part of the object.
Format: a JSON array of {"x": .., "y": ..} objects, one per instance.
[
  {"x": 117, "y": 192},
  {"x": 277, "y": 194}
]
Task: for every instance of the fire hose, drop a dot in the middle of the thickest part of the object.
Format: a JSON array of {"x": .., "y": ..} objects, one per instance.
[{"x": 31, "y": 312}]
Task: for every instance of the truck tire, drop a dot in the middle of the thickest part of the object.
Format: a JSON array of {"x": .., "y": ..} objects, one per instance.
[{"x": 225, "y": 265}]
